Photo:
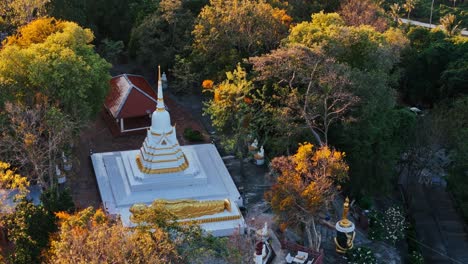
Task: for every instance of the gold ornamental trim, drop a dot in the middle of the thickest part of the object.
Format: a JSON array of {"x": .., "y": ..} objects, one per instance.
[
  {"x": 158, "y": 155},
  {"x": 173, "y": 146},
  {"x": 164, "y": 161},
  {"x": 146, "y": 170},
  {"x": 213, "y": 219},
  {"x": 158, "y": 135}
]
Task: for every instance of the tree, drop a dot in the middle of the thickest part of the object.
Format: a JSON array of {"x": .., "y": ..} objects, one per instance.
[
  {"x": 372, "y": 140},
  {"x": 365, "y": 12},
  {"x": 409, "y": 5},
  {"x": 306, "y": 185},
  {"x": 34, "y": 139},
  {"x": 231, "y": 110},
  {"x": 90, "y": 236},
  {"x": 318, "y": 85},
  {"x": 21, "y": 12},
  {"x": 450, "y": 25},
  {"x": 394, "y": 13},
  {"x": 10, "y": 180},
  {"x": 56, "y": 59},
  {"x": 226, "y": 32},
  {"x": 29, "y": 227},
  {"x": 163, "y": 34}
]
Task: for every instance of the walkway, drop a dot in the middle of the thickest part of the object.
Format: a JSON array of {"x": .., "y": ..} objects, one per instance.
[
  {"x": 427, "y": 25},
  {"x": 439, "y": 228}
]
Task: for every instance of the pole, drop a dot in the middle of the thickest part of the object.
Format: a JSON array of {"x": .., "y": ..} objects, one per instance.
[{"x": 432, "y": 8}]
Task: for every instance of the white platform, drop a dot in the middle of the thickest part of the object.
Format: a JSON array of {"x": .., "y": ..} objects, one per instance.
[{"x": 207, "y": 178}]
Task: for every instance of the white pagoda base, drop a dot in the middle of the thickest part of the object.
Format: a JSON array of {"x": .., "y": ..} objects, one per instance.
[{"x": 122, "y": 184}]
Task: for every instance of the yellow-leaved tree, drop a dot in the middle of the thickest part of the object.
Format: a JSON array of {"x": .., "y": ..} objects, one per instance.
[{"x": 306, "y": 185}]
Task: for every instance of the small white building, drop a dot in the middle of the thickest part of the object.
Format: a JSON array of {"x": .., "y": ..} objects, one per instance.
[{"x": 162, "y": 169}]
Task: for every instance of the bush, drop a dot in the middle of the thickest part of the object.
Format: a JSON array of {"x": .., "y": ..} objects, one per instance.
[
  {"x": 416, "y": 258},
  {"x": 389, "y": 226},
  {"x": 193, "y": 135},
  {"x": 361, "y": 255}
]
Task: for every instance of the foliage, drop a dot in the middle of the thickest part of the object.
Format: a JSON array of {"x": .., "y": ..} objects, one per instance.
[
  {"x": 226, "y": 32},
  {"x": 361, "y": 255},
  {"x": 163, "y": 34},
  {"x": 300, "y": 10},
  {"x": 10, "y": 180},
  {"x": 55, "y": 200},
  {"x": 389, "y": 226},
  {"x": 450, "y": 25},
  {"x": 90, "y": 236},
  {"x": 317, "y": 87},
  {"x": 363, "y": 12},
  {"x": 193, "y": 135},
  {"x": 34, "y": 137},
  {"x": 434, "y": 67},
  {"x": 21, "y": 12},
  {"x": 187, "y": 238},
  {"x": 372, "y": 141},
  {"x": 111, "y": 50},
  {"x": 458, "y": 131},
  {"x": 306, "y": 186},
  {"x": 230, "y": 112},
  {"x": 416, "y": 258},
  {"x": 29, "y": 227},
  {"x": 61, "y": 65}
]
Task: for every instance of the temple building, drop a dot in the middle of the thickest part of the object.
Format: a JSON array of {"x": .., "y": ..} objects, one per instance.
[
  {"x": 129, "y": 104},
  {"x": 191, "y": 181}
]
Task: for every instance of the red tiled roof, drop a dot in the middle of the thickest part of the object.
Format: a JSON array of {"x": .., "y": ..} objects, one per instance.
[{"x": 130, "y": 96}]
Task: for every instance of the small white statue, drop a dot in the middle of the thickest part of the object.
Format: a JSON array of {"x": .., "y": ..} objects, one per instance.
[
  {"x": 265, "y": 230},
  {"x": 261, "y": 153},
  {"x": 254, "y": 145},
  {"x": 57, "y": 171},
  {"x": 260, "y": 156},
  {"x": 164, "y": 80}
]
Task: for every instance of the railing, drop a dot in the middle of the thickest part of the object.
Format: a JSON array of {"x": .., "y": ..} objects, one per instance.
[{"x": 318, "y": 256}]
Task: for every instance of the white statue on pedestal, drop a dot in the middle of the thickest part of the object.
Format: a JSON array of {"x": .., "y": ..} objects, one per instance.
[
  {"x": 254, "y": 145},
  {"x": 260, "y": 157}
]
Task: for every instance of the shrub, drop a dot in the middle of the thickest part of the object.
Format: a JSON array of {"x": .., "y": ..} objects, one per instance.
[
  {"x": 361, "y": 255},
  {"x": 193, "y": 135},
  {"x": 389, "y": 226},
  {"x": 416, "y": 258}
]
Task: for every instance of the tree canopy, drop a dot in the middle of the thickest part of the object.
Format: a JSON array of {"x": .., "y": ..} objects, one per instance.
[{"x": 54, "y": 58}]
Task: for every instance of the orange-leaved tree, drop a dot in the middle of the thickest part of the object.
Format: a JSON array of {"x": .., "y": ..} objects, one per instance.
[
  {"x": 306, "y": 185},
  {"x": 90, "y": 236}
]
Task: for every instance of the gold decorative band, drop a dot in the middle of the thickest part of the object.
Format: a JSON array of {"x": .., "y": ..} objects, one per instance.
[
  {"x": 212, "y": 219},
  {"x": 164, "y": 161},
  {"x": 173, "y": 146},
  {"x": 158, "y": 155},
  {"x": 160, "y": 109},
  {"x": 158, "y": 135},
  {"x": 143, "y": 169}
]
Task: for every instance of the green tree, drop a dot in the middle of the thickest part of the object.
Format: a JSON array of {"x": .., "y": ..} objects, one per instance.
[
  {"x": 163, "y": 34},
  {"x": 372, "y": 140},
  {"x": 60, "y": 64},
  {"x": 231, "y": 110},
  {"x": 29, "y": 227}
]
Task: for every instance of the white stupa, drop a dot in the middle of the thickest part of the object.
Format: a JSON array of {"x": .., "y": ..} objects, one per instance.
[
  {"x": 162, "y": 169},
  {"x": 161, "y": 152}
]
